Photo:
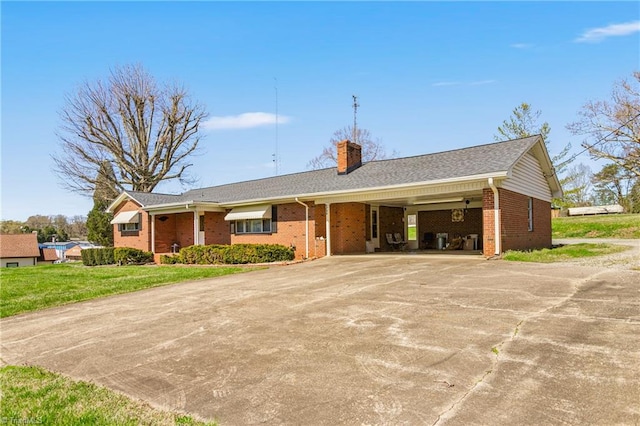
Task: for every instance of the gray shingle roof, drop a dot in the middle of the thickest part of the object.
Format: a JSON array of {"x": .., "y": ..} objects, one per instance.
[{"x": 477, "y": 160}]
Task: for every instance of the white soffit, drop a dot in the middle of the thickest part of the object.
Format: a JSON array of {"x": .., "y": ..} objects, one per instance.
[
  {"x": 126, "y": 217},
  {"x": 249, "y": 212}
]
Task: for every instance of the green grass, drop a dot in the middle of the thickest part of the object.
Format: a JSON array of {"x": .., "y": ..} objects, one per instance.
[
  {"x": 563, "y": 253},
  {"x": 38, "y": 287},
  {"x": 601, "y": 226},
  {"x": 32, "y": 395}
]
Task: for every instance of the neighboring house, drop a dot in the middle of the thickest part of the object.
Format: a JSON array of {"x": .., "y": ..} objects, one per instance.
[
  {"x": 47, "y": 256},
  {"x": 19, "y": 250},
  {"x": 499, "y": 192},
  {"x": 582, "y": 211},
  {"x": 60, "y": 247},
  {"x": 75, "y": 252}
]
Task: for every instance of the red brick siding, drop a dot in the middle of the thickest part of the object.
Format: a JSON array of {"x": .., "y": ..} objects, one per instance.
[
  {"x": 216, "y": 229},
  {"x": 440, "y": 221},
  {"x": 348, "y": 228},
  {"x": 515, "y": 223},
  {"x": 391, "y": 221},
  {"x": 514, "y": 232},
  {"x": 290, "y": 230},
  {"x": 165, "y": 234},
  {"x": 137, "y": 239}
]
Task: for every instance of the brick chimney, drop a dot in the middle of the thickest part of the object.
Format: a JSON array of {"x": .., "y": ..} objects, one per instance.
[{"x": 349, "y": 156}]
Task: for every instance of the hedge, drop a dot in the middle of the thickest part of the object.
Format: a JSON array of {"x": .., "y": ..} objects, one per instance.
[
  {"x": 231, "y": 254},
  {"x": 110, "y": 256}
]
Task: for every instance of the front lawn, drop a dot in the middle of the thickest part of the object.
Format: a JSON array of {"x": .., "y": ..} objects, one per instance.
[
  {"x": 563, "y": 253},
  {"x": 32, "y": 395},
  {"x": 37, "y": 287}
]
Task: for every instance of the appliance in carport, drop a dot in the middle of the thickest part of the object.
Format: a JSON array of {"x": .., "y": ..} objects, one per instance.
[{"x": 441, "y": 238}]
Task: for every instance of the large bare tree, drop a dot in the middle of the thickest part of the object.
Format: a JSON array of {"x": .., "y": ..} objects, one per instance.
[
  {"x": 371, "y": 149},
  {"x": 612, "y": 127},
  {"x": 144, "y": 131}
]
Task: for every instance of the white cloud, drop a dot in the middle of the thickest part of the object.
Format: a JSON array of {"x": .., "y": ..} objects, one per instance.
[
  {"x": 522, "y": 45},
  {"x": 446, "y": 83},
  {"x": 596, "y": 35},
  {"x": 246, "y": 120}
]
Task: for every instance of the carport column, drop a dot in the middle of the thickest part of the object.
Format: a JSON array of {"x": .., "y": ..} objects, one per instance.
[
  {"x": 496, "y": 217},
  {"x": 327, "y": 211}
]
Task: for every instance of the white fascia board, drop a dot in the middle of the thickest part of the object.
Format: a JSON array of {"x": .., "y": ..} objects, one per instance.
[
  {"x": 182, "y": 206},
  {"x": 119, "y": 199},
  {"x": 408, "y": 186}
]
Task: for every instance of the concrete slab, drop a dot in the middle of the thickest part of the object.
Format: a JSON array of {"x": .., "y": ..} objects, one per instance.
[{"x": 394, "y": 339}]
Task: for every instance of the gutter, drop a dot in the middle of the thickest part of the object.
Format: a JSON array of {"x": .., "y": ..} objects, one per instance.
[
  {"x": 496, "y": 217},
  {"x": 306, "y": 234}
]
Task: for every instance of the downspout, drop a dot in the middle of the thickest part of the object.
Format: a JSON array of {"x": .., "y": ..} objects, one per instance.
[
  {"x": 496, "y": 217},
  {"x": 306, "y": 234}
]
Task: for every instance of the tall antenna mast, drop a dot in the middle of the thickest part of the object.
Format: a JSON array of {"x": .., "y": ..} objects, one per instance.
[
  {"x": 275, "y": 156},
  {"x": 355, "y": 112}
]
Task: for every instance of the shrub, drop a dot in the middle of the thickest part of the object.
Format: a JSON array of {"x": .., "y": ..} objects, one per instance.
[
  {"x": 98, "y": 256},
  {"x": 131, "y": 256},
  {"x": 170, "y": 260},
  {"x": 234, "y": 254}
]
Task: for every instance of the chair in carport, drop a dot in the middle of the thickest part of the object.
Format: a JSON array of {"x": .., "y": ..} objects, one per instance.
[
  {"x": 428, "y": 240},
  {"x": 392, "y": 242}
]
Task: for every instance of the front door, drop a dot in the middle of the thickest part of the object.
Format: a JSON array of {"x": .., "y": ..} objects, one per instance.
[
  {"x": 201, "y": 230},
  {"x": 375, "y": 227}
]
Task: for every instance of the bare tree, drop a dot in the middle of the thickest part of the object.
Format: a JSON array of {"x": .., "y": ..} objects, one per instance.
[
  {"x": 577, "y": 188},
  {"x": 371, "y": 149},
  {"x": 612, "y": 127},
  {"x": 145, "y": 132}
]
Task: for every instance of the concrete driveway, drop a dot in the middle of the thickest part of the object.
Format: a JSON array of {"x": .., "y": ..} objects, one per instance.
[{"x": 359, "y": 340}]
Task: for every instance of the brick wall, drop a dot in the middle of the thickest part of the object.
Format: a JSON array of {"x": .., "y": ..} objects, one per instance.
[
  {"x": 515, "y": 224},
  {"x": 290, "y": 230},
  {"x": 440, "y": 221},
  {"x": 515, "y": 234},
  {"x": 348, "y": 228},
  {"x": 136, "y": 239},
  {"x": 216, "y": 229},
  {"x": 391, "y": 221}
]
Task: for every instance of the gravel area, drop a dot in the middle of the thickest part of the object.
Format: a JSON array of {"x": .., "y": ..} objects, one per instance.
[{"x": 628, "y": 259}]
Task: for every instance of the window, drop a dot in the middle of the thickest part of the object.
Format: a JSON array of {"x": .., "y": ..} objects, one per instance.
[
  {"x": 253, "y": 226},
  {"x": 126, "y": 227},
  {"x": 530, "y": 213},
  {"x": 201, "y": 223},
  {"x": 12, "y": 264},
  {"x": 374, "y": 224}
]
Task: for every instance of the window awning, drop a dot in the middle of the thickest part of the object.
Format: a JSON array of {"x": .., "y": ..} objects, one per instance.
[
  {"x": 250, "y": 212},
  {"x": 126, "y": 217}
]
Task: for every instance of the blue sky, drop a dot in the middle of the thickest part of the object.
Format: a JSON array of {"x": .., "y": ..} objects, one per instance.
[{"x": 430, "y": 76}]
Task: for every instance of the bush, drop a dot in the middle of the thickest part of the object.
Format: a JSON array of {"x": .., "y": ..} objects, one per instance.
[
  {"x": 131, "y": 256},
  {"x": 98, "y": 256},
  {"x": 170, "y": 260},
  {"x": 234, "y": 254}
]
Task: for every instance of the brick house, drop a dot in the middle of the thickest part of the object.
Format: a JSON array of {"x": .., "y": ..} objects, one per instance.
[
  {"x": 498, "y": 194},
  {"x": 19, "y": 250}
]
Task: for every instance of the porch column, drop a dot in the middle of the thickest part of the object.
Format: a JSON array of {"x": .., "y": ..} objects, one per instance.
[
  {"x": 196, "y": 223},
  {"x": 327, "y": 211},
  {"x": 153, "y": 232}
]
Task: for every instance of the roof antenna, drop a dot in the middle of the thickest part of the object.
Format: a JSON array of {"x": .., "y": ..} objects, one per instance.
[
  {"x": 275, "y": 156},
  {"x": 355, "y": 112}
]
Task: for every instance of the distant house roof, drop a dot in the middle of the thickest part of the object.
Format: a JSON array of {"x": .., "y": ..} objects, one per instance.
[
  {"x": 74, "y": 251},
  {"x": 48, "y": 255},
  {"x": 19, "y": 245},
  {"x": 483, "y": 160},
  {"x": 580, "y": 211}
]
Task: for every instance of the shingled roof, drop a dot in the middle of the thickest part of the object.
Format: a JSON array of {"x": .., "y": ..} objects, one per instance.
[
  {"x": 19, "y": 245},
  {"x": 486, "y": 159}
]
